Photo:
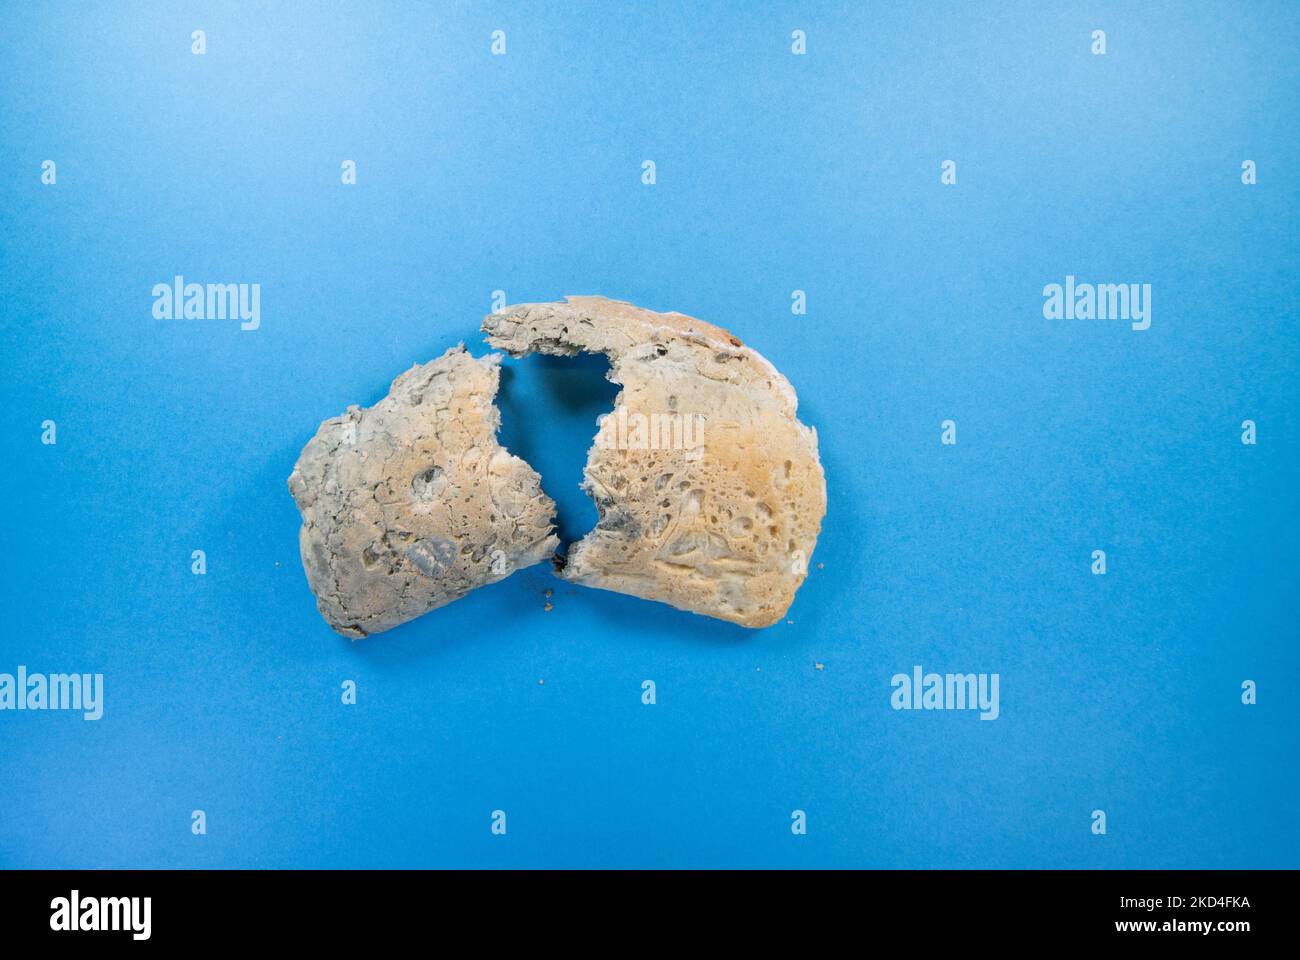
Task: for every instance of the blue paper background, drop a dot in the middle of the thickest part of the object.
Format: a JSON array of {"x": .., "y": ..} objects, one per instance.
[{"x": 775, "y": 172}]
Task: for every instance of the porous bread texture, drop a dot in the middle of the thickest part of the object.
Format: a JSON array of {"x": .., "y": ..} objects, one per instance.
[
  {"x": 725, "y": 528},
  {"x": 410, "y": 504}
]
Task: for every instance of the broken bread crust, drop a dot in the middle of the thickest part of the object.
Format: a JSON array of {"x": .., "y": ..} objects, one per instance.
[
  {"x": 410, "y": 504},
  {"x": 724, "y": 528}
]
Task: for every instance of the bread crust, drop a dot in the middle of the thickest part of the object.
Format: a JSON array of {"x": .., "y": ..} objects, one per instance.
[
  {"x": 723, "y": 527},
  {"x": 410, "y": 504}
]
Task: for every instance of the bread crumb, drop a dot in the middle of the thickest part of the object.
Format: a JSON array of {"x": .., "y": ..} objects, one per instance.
[
  {"x": 821, "y": 566},
  {"x": 548, "y": 608},
  {"x": 821, "y": 666}
]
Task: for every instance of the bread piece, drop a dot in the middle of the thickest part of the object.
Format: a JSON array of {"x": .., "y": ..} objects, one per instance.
[
  {"x": 410, "y": 504},
  {"x": 721, "y": 520}
]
